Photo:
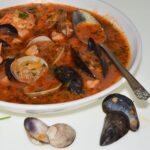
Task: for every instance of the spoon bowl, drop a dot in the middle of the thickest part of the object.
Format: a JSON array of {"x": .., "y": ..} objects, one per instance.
[{"x": 84, "y": 21}]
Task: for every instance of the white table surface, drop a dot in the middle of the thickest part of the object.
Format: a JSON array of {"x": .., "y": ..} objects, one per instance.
[{"x": 88, "y": 121}]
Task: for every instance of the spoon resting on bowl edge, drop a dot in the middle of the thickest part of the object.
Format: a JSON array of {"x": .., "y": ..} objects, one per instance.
[{"x": 79, "y": 18}]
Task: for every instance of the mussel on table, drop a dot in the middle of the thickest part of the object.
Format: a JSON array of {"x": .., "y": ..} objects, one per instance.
[
  {"x": 9, "y": 29},
  {"x": 59, "y": 135},
  {"x": 121, "y": 116},
  {"x": 70, "y": 78},
  {"x": 80, "y": 63}
]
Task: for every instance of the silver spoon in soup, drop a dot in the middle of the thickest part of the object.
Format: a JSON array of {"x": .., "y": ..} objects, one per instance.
[{"x": 84, "y": 23}]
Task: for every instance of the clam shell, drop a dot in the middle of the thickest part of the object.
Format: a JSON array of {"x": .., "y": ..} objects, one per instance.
[
  {"x": 39, "y": 39},
  {"x": 28, "y": 68},
  {"x": 36, "y": 130},
  {"x": 61, "y": 135}
]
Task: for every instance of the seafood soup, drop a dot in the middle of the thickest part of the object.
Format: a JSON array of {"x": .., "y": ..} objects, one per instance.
[{"x": 43, "y": 60}]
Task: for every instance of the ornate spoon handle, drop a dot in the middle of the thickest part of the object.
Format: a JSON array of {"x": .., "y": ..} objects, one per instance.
[{"x": 137, "y": 88}]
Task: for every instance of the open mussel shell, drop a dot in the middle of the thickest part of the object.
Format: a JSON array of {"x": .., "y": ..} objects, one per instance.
[
  {"x": 100, "y": 54},
  {"x": 115, "y": 127},
  {"x": 122, "y": 104},
  {"x": 9, "y": 29},
  {"x": 39, "y": 39},
  {"x": 121, "y": 117},
  {"x": 80, "y": 63},
  {"x": 36, "y": 130},
  {"x": 61, "y": 135},
  {"x": 28, "y": 68}
]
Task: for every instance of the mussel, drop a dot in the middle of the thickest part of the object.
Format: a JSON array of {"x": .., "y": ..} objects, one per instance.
[
  {"x": 28, "y": 68},
  {"x": 80, "y": 63},
  {"x": 121, "y": 116},
  {"x": 59, "y": 135},
  {"x": 9, "y": 29},
  {"x": 92, "y": 36},
  {"x": 70, "y": 78},
  {"x": 100, "y": 54},
  {"x": 4, "y": 43},
  {"x": 7, "y": 64}
]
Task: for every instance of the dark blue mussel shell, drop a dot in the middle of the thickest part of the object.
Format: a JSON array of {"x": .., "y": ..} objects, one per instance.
[
  {"x": 70, "y": 78},
  {"x": 121, "y": 116}
]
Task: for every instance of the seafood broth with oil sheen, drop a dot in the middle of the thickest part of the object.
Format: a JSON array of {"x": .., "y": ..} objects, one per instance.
[{"x": 40, "y": 54}]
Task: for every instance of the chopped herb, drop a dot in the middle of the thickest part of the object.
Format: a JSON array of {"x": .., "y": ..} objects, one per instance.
[
  {"x": 22, "y": 14},
  {"x": 3, "y": 118},
  {"x": 32, "y": 9},
  {"x": 1, "y": 15}
]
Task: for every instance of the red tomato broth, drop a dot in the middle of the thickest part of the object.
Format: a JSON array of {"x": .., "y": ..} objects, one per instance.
[{"x": 116, "y": 41}]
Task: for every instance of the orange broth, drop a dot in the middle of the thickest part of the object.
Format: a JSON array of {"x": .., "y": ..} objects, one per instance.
[{"x": 13, "y": 91}]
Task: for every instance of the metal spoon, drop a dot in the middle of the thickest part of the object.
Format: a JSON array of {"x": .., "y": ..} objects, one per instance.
[{"x": 80, "y": 16}]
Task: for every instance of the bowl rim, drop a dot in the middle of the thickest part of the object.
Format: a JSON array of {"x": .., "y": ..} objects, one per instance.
[{"x": 44, "y": 108}]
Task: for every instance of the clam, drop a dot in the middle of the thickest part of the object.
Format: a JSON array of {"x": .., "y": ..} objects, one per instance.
[
  {"x": 28, "y": 69},
  {"x": 44, "y": 92},
  {"x": 121, "y": 116},
  {"x": 70, "y": 78},
  {"x": 80, "y": 63},
  {"x": 9, "y": 29},
  {"x": 39, "y": 39},
  {"x": 54, "y": 18},
  {"x": 32, "y": 47},
  {"x": 36, "y": 130},
  {"x": 59, "y": 135}
]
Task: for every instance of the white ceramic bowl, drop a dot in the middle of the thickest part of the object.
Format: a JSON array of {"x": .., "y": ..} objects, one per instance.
[{"x": 103, "y": 9}]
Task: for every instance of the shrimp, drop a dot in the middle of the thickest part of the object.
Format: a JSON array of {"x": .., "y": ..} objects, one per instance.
[
  {"x": 92, "y": 83},
  {"x": 57, "y": 37},
  {"x": 32, "y": 50},
  {"x": 22, "y": 21}
]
